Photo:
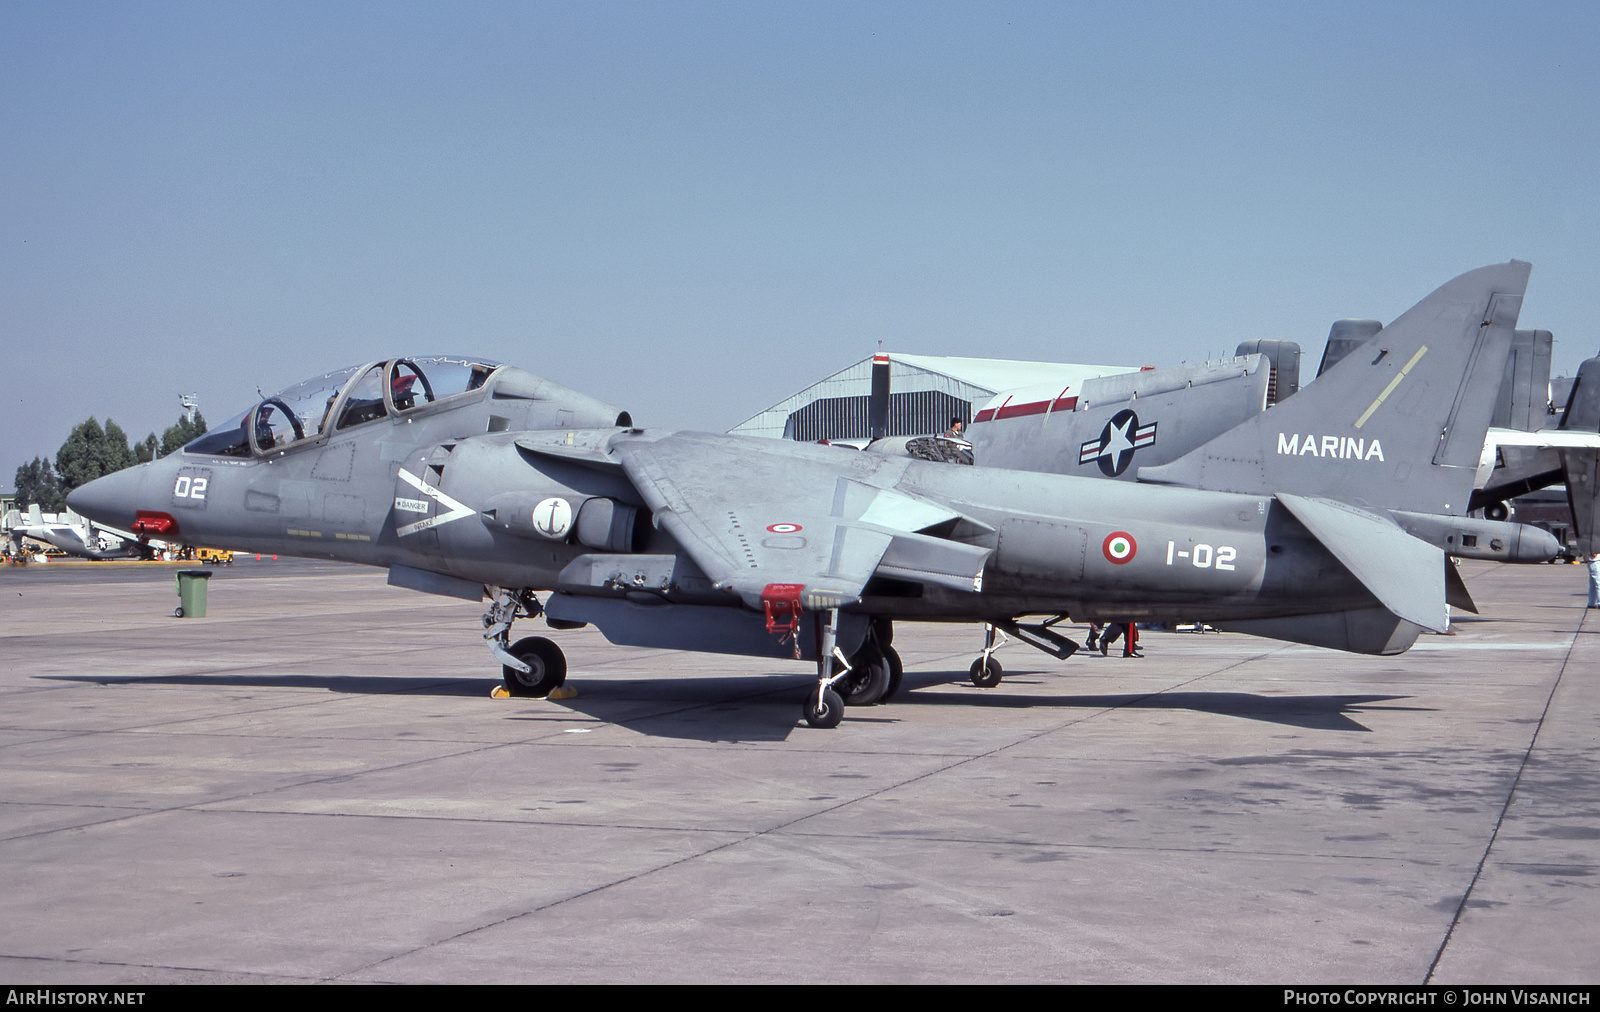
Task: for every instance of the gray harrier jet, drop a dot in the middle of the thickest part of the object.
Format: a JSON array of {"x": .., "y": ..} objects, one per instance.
[{"x": 1314, "y": 522}]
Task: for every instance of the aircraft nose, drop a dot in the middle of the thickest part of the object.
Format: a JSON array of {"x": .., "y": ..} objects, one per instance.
[{"x": 112, "y": 500}]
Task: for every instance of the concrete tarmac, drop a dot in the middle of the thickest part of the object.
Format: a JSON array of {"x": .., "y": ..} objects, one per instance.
[{"x": 313, "y": 784}]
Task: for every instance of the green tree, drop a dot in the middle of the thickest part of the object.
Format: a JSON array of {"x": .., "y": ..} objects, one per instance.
[
  {"x": 36, "y": 483},
  {"x": 175, "y": 437},
  {"x": 182, "y": 433},
  {"x": 91, "y": 452}
]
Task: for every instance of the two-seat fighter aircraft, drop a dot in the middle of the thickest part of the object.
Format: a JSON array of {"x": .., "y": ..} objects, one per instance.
[{"x": 1308, "y": 523}]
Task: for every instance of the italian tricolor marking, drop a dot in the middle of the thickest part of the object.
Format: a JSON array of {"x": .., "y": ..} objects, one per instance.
[{"x": 1119, "y": 547}]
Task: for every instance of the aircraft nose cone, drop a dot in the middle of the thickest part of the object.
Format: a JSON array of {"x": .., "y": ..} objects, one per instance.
[{"x": 112, "y": 500}]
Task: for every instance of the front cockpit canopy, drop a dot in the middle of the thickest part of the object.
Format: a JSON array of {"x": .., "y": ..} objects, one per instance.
[{"x": 343, "y": 399}]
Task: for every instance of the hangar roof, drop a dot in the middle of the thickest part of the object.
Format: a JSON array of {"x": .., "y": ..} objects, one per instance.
[{"x": 963, "y": 382}]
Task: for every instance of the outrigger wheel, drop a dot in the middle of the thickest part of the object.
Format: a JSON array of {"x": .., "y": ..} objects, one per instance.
[
  {"x": 547, "y": 664},
  {"x": 986, "y": 672}
]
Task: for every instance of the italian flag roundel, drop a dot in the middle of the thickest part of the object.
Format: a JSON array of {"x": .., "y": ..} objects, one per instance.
[{"x": 1119, "y": 547}]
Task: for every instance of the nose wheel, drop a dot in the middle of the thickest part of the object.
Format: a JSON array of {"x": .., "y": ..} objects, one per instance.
[
  {"x": 547, "y": 667},
  {"x": 533, "y": 666}
]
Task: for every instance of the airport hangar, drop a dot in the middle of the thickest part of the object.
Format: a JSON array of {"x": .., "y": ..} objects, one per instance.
[{"x": 924, "y": 392}]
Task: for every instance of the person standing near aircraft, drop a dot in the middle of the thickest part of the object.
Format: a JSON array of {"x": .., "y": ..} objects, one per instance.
[
  {"x": 1128, "y": 632},
  {"x": 1594, "y": 580}
]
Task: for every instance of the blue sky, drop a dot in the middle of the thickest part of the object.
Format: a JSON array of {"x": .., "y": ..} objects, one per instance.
[{"x": 693, "y": 209}]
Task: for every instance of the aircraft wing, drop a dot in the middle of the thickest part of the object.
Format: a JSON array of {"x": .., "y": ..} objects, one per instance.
[{"x": 755, "y": 514}]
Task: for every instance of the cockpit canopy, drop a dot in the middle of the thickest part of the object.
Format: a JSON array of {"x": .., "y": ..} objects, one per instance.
[{"x": 343, "y": 399}]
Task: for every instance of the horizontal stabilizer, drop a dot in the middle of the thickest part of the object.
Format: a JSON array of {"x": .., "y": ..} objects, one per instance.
[{"x": 1405, "y": 575}]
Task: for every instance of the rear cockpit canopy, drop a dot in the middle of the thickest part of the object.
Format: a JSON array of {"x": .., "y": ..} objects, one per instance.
[{"x": 344, "y": 399}]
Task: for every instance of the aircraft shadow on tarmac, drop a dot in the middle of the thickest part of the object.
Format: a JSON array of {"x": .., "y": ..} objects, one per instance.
[
  {"x": 1316, "y": 712},
  {"x": 760, "y": 708},
  {"x": 374, "y": 685}
]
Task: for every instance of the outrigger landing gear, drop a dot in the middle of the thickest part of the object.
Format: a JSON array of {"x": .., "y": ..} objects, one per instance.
[
  {"x": 986, "y": 671},
  {"x": 533, "y": 666}
]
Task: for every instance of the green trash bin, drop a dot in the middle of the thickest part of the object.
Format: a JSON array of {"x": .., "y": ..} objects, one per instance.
[{"x": 192, "y": 593}]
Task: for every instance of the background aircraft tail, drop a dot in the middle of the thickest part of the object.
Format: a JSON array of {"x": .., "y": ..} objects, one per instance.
[
  {"x": 1399, "y": 422},
  {"x": 1582, "y": 465}
]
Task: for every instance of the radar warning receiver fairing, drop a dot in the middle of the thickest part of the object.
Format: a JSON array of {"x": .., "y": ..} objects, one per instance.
[{"x": 466, "y": 478}]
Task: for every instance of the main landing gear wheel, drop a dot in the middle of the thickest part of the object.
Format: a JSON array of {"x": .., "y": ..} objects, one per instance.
[
  {"x": 896, "y": 672},
  {"x": 824, "y": 709},
  {"x": 547, "y": 663},
  {"x": 868, "y": 680},
  {"x": 986, "y": 672}
]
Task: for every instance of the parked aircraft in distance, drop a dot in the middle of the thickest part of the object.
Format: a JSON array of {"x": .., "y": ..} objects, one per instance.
[
  {"x": 468, "y": 478},
  {"x": 72, "y": 534}
]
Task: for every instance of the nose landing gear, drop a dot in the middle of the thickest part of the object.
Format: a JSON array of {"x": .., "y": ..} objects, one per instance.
[
  {"x": 546, "y": 664},
  {"x": 534, "y": 665}
]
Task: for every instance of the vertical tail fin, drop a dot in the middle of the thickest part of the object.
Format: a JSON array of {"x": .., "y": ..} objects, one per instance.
[
  {"x": 1399, "y": 422},
  {"x": 1581, "y": 466}
]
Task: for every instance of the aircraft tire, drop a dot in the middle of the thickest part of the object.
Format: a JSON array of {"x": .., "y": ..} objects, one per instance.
[
  {"x": 986, "y": 676},
  {"x": 896, "y": 672},
  {"x": 883, "y": 632},
  {"x": 549, "y": 666},
  {"x": 828, "y": 713},
  {"x": 868, "y": 680}
]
